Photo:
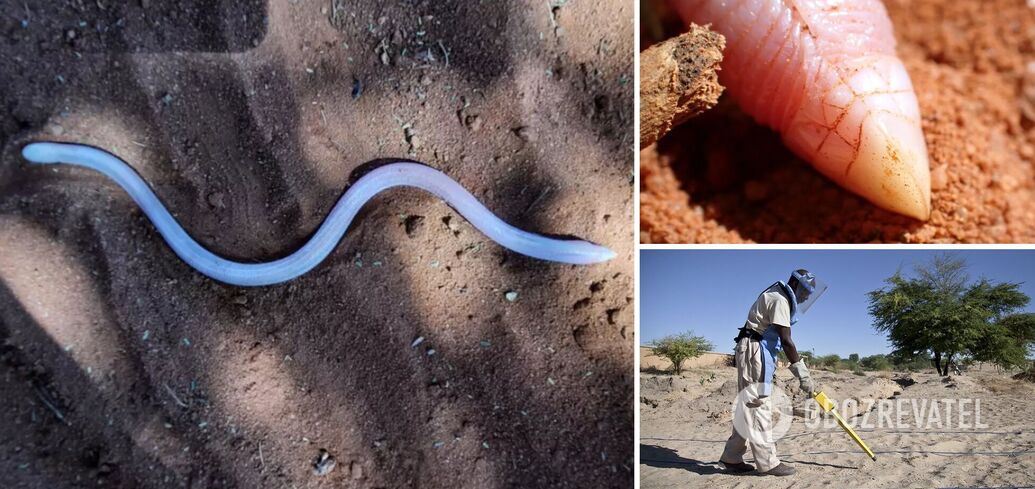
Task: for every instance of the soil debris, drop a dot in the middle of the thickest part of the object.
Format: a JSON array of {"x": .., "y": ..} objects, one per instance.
[
  {"x": 324, "y": 463},
  {"x": 679, "y": 80},
  {"x": 413, "y": 225}
]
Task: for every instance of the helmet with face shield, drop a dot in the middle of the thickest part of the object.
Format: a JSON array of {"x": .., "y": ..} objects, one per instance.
[{"x": 807, "y": 289}]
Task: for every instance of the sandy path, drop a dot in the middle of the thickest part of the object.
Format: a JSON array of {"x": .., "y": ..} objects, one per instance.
[{"x": 682, "y": 439}]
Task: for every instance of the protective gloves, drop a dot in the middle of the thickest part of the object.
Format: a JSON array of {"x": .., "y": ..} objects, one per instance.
[{"x": 804, "y": 378}]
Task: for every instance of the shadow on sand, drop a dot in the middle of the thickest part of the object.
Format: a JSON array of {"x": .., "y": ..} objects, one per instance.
[{"x": 667, "y": 458}]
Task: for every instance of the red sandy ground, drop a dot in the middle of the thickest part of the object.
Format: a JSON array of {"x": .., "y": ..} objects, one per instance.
[
  {"x": 723, "y": 178},
  {"x": 249, "y": 118}
]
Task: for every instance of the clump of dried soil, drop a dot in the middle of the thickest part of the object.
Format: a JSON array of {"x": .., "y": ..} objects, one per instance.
[
  {"x": 969, "y": 62},
  {"x": 679, "y": 79}
]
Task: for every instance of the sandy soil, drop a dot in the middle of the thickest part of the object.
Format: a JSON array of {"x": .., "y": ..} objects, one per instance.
[
  {"x": 686, "y": 419},
  {"x": 722, "y": 178},
  {"x": 122, "y": 367}
]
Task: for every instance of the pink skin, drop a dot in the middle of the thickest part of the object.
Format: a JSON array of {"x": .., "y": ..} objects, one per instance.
[{"x": 825, "y": 75}]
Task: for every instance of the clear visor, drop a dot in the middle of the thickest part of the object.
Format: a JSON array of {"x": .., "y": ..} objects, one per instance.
[{"x": 808, "y": 293}]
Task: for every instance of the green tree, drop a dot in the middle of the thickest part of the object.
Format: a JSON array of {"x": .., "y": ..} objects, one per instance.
[
  {"x": 939, "y": 315},
  {"x": 1007, "y": 341},
  {"x": 832, "y": 361},
  {"x": 853, "y": 358},
  {"x": 680, "y": 347},
  {"x": 909, "y": 361},
  {"x": 875, "y": 362}
]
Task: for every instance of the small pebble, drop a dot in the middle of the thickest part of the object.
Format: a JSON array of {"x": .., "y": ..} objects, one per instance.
[
  {"x": 939, "y": 177},
  {"x": 473, "y": 122},
  {"x": 324, "y": 463},
  {"x": 511, "y": 296},
  {"x": 216, "y": 200},
  {"x": 419, "y": 340},
  {"x": 55, "y": 129},
  {"x": 524, "y": 133}
]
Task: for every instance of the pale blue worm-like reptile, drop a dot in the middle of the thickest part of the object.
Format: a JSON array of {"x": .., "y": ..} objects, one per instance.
[{"x": 334, "y": 226}]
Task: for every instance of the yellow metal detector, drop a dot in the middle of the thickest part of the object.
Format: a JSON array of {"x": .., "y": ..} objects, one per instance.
[{"x": 828, "y": 406}]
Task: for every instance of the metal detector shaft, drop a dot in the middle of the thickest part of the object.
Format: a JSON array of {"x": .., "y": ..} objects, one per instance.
[{"x": 828, "y": 406}]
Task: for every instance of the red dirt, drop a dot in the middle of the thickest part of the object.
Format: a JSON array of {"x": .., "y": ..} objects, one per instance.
[
  {"x": 249, "y": 119},
  {"x": 723, "y": 178}
]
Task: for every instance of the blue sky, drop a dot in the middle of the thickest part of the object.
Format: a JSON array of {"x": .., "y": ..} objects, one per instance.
[{"x": 710, "y": 291}]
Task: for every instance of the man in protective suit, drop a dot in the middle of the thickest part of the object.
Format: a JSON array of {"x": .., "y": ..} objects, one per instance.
[{"x": 767, "y": 329}]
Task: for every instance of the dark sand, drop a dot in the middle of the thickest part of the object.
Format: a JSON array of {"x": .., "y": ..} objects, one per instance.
[
  {"x": 120, "y": 366},
  {"x": 724, "y": 178}
]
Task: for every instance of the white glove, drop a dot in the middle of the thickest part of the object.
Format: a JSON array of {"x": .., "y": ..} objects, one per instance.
[{"x": 804, "y": 378}]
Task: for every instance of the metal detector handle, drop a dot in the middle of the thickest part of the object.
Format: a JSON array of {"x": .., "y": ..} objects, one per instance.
[{"x": 827, "y": 405}]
